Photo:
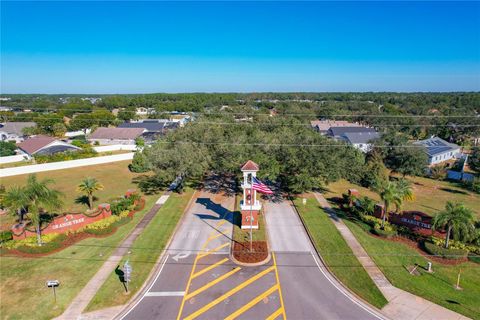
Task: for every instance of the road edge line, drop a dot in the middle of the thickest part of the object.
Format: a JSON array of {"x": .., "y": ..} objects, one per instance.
[
  {"x": 155, "y": 272},
  {"x": 332, "y": 278}
]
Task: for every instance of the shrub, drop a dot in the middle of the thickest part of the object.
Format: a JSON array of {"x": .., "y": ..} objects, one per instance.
[
  {"x": 123, "y": 204},
  {"x": 371, "y": 220},
  {"x": 438, "y": 172},
  {"x": 6, "y": 236},
  {"x": 50, "y": 242},
  {"x": 7, "y": 148},
  {"x": 454, "y": 244},
  {"x": 449, "y": 253},
  {"x": 139, "y": 163},
  {"x": 474, "y": 257},
  {"x": 388, "y": 230},
  {"x": 67, "y": 155}
]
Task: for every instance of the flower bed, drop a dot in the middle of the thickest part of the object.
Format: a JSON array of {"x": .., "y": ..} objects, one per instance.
[
  {"x": 445, "y": 253},
  {"x": 242, "y": 253}
]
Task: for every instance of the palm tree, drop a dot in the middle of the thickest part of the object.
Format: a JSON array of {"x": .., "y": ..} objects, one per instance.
[
  {"x": 390, "y": 196},
  {"x": 89, "y": 186},
  {"x": 36, "y": 197},
  {"x": 14, "y": 200},
  {"x": 455, "y": 218},
  {"x": 405, "y": 192}
]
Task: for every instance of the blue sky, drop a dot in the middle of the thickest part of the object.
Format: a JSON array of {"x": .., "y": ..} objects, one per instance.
[{"x": 128, "y": 47}]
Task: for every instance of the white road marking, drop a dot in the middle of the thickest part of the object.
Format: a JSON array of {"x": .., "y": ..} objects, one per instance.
[
  {"x": 181, "y": 255},
  {"x": 165, "y": 294},
  {"x": 342, "y": 290},
  {"x": 162, "y": 199}
]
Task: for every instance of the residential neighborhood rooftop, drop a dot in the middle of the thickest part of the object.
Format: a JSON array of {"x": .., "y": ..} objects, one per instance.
[
  {"x": 36, "y": 143},
  {"x": 16, "y": 127},
  {"x": 116, "y": 133},
  {"x": 340, "y": 131},
  {"x": 324, "y": 125},
  {"x": 436, "y": 146},
  {"x": 361, "y": 137}
]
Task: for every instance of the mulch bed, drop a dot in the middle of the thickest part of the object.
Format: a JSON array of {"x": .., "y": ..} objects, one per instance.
[
  {"x": 70, "y": 240},
  {"x": 241, "y": 251}
]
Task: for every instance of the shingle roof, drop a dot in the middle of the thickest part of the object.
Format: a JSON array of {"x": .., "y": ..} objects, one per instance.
[
  {"x": 16, "y": 127},
  {"x": 324, "y": 125},
  {"x": 250, "y": 166},
  {"x": 34, "y": 144},
  {"x": 117, "y": 133},
  {"x": 340, "y": 131},
  {"x": 150, "y": 126},
  {"x": 361, "y": 137},
  {"x": 436, "y": 145}
]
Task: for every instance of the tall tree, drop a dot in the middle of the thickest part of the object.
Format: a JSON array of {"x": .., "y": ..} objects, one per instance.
[
  {"x": 474, "y": 159},
  {"x": 88, "y": 186},
  {"x": 389, "y": 194},
  {"x": 456, "y": 219},
  {"x": 37, "y": 198},
  {"x": 14, "y": 200},
  {"x": 405, "y": 192}
]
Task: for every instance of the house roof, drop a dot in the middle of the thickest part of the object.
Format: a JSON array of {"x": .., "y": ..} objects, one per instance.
[
  {"x": 341, "y": 131},
  {"x": 435, "y": 146},
  {"x": 117, "y": 133},
  {"x": 150, "y": 126},
  {"x": 16, "y": 127},
  {"x": 361, "y": 137},
  {"x": 324, "y": 125},
  {"x": 36, "y": 143},
  {"x": 250, "y": 166}
]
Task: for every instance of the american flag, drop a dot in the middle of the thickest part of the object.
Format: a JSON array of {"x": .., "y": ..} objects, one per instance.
[{"x": 260, "y": 186}]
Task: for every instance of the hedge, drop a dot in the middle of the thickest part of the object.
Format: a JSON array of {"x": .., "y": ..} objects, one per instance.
[
  {"x": 443, "y": 252},
  {"x": 6, "y": 236},
  {"x": 474, "y": 258},
  {"x": 45, "y": 248},
  {"x": 385, "y": 233}
]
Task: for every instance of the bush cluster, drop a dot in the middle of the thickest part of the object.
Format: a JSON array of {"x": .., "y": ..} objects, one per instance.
[
  {"x": 124, "y": 204},
  {"x": 6, "y": 236},
  {"x": 453, "y": 244},
  {"x": 67, "y": 155},
  {"x": 107, "y": 225},
  {"x": 449, "y": 253}
]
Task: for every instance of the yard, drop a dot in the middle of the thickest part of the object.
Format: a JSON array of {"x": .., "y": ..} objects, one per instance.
[
  {"x": 22, "y": 280},
  {"x": 394, "y": 258},
  {"x": 336, "y": 253},
  {"x": 430, "y": 195}
]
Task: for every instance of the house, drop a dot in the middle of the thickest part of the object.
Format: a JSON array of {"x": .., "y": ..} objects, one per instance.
[
  {"x": 13, "y": 131},
  {"x": 109, "y": 136},
  {"x": 439, "y": 150},
  {"x": 181, "y": 118},
  {"x": 144, "y": 111},
  {"x": 44, "y": 145},
  {"x": 323, "y": 126},
  {"x": 361, "y": 140},
  {"x": 153, "y": 127},
  {"x": 359, "y": 137}
]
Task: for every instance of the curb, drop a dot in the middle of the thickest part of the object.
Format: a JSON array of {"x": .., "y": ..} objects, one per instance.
[
  {"x": 352, "y": 295},
  {"x": 137, "y": 297}
]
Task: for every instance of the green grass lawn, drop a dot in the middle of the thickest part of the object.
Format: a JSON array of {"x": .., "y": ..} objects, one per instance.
[
  {"x": 22, "y": 280},
  {"x": 115, "y": 177},
  {"x": 393, "y": 258},
  {"x": 430, "y": 195},
  {"x": 336, "y": 253},
  {"x": 144, "y": 253}
]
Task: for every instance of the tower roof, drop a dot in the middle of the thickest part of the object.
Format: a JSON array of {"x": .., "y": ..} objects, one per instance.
[{"x": 250, "y": 166}]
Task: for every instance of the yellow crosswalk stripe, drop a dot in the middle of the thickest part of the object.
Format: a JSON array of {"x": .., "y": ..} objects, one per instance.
[
  {"x": 187, "y": 288},
  {"x": 228, "y": 294},
  {"x": 201, "y": 255},
  {"x": 212, "y": 283},
  {"x": 275, "y": 314},
  {"x": 199, "y": 273},
  {"x": 219, "y": 233},
  {"x": 252, "y": 303},
  {"x": 279, "y": 286}
]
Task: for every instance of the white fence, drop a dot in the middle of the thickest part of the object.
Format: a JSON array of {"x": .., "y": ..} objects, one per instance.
[
  {"x": 15, "y": 158},
  {"x": 7, "y": 172},
  {"x": 116, "y": 147}
]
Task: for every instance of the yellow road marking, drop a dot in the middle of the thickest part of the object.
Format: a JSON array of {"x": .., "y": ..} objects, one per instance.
[
  {"x": 275, "y": 314},
  {"x": 188, "y": 287},
  {"x": 229, "y": 293},
  {"x": 279, "y": 286},
  {"x": 252, "y": 303},
  {"x": 216, "y": 235},
  {"x": 212, "y": 283},
  {"x": 221, "y": 222},
  {"x": 209, "y": 268},
  {"x": 201, "y": 255}
]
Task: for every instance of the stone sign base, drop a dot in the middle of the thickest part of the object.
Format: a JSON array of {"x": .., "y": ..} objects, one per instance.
[{"x": 246, "y": 219}]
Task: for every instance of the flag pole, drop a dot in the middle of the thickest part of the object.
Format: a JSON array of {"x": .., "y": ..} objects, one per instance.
[{"x": 251, "y": 208}]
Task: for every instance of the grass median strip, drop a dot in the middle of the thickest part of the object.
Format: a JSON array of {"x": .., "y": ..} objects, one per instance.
[
  {"x": 144, "y": 253},
  {"x": 336, "y": 253}
]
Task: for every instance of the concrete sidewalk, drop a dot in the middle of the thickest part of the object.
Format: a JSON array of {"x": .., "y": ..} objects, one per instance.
[
  {"x": 84, "y": 297},
  {"x": 402, "y": 305}
]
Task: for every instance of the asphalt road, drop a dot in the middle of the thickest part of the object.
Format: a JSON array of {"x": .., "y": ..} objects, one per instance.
[{"x": 198, "y": 280}]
